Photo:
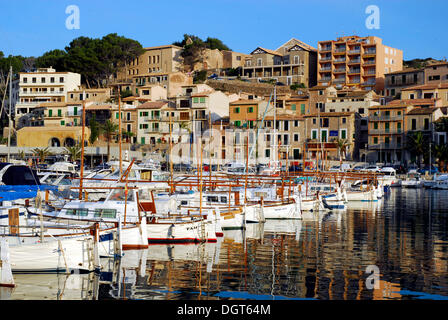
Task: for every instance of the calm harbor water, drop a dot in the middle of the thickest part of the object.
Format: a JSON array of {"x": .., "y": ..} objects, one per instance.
[{"x": 405, "y": 235}]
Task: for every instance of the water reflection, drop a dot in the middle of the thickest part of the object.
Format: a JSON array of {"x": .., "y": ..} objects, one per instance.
[{"x": 322, "y": 257}]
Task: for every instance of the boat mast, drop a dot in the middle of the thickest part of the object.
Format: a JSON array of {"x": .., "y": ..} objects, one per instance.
[
  {"x": 82, "y": 143},
  {"x": 9, "y": 112},
  {"x": 275, "y": 126},
  {"x": 171, "y": 159},
  {"x": 119, "y": 128}
]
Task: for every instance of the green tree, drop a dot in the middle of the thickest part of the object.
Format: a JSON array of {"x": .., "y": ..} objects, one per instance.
[
  {"x": 41, "y": 153},
  {"x": 417, "y": 144},
  {"x": 74, "y": 152},
  {"x": 95, "y": 129},
  {"x": 54, "y": 58},
  {"x": 342, "y": 145},
  {"x": 441, "y": 154},
  {"x": 109, "y": 130},
  {"x": 214, "y": 43}
]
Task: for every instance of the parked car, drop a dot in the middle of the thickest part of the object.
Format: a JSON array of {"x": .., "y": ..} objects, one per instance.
[{"x": 426, "y": 169}]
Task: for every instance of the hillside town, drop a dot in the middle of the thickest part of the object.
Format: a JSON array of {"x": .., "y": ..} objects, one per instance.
[{"x": 351, "y": 98}]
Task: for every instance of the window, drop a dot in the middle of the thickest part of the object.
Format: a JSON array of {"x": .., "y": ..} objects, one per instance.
[
  {"x": 296, "y": 123},
  {"x": 25, "y": 80},
  {"x": 202, "y": 99},
  {"x": 75, "y": 111},
  {"x": 50, "y": 113},
  {"x": 344, "y": 120},
  {"x": 426, "y": 124},
  {"x": 375, "y": 125},
  {"x": 296, "y": 137},
  {"x": 343, "y": 134},
  {"x": 259, "y": 62},
  {"x": 61, "y": 79},
  {"x": 237, "y": 110},
  {"x": 413, "y": 124},
  {"x": 250, "y": 110},
  {"x": 59, "y": 113},
  {"x": 237, "y": 123},
  {"x": 399, "y": 127},
  {"x": 293, "y": 107},
  {"x": 42, "y": 80},
  {"x": 411, "y": 96},
  {"x": 62, "y": 123},
  {"x": 105, "y": 213},
  {"x": 302, "y": 108},
  {"x": 361, "y": 110},
  {"x": 375, "y": 140},
  {"x": 314, "y": 134},
  {"x": 195, "y": 100},
  {"x": 267, "y": 153}
]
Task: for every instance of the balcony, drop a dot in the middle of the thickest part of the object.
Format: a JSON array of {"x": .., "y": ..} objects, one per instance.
[
  {"x": 370, "y": 72},
  {"x": 354, "y": 81},
  {"x": 339, "y": 80},
  {"x": 384, "y": 145},
  {"x": 325, "y": 59},
  {"x": 355, "y": 51},
  {"x": 325, "y": 79},
  {"x": 339, "y": 60},
  {"x": 152, "y": 130},
  {"x": 369, "y": 62},
  {"x": 385, "y": 118},
  {"x": 354, "y": 71},
  {"x": 369, "y": 83},
  {"x": 369, "y": 52},
  {"x": 325, "y": 48},
  {"x": 354, "y": 61},
  {"x": 385, "y": 131},
  {"x": 325, "y": 69}
]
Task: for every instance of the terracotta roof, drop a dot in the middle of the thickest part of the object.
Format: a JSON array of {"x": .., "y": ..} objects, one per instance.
[
  {"x": 275, "y": 53},
  {"x": 318, "y": 88},
  {"x": 152, "y": 105},
  {"x": 285, "y": 117},
  {"x": 407, "y": 70},
  {"x": 412, "y": 102},
  {"x": 421, "y": 111}
]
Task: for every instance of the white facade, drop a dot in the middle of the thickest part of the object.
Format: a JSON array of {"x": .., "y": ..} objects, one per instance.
[{"x": 44, "y": 85}]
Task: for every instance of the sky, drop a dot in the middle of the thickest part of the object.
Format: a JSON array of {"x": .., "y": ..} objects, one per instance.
[{"x": 33, "y": 27}]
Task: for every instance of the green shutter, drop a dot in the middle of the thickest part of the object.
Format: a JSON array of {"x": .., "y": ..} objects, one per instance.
[
  {"x": 343, "y": 134},
  {"x": 251, "y": 109},
  {"x": 314, "y": 135},
  {"x": 59, "y": 113},
  {"x": 143, "y": 140},
  {"x": 50, "y": 113},
  {"x": 116, "y": 115},
  {"x": 293, "y": 107},
  {"x": 375, "y": 140},
  {"x": 76, "y": 122},
  {"x": 195, "y": 100},
  {"x": 237, "y": 110},
  {"x": 75, "y": 111},
  {"x": 202, "y": 100},
  {"x": 302, "y": 108},
  {"x": 62, "y": 123}
]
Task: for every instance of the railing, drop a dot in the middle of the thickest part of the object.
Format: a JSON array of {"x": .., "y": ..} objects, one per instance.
[
  {"x": 325, "y": 79},
  {"x": 354, "y": 51},
  {"x": 339, "y": 50},
  {"x": 385, "y": 131},
  {"x": 369, "y": 62},
  {"x": 339, "y": 80},
  {"x": 339, "y": 60},
  {"x": 370, "y": 52},
  {"x": 325, "y": 69},
  {"x": 354, "y": 71},
  {"x": 325, "y": 48},
  {"x": 385, "y": 145},
  {"x": 325, "y": 59},
  {"x": 385, "y": 118},
  {"x": 354, "y": 61},
  {"x": 340, "y": 70}
]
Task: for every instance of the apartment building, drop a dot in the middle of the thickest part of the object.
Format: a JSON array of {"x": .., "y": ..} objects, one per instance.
[
  {"x": 436, "y": 73},
  {"x": 99, "y": 95},
  {"x": 158, "y": 59},
  {"x": 322, "y": 130},
  {"x": 129, "y": 120},
  {"x": 233, "y": 60},
  {"x": 387, "y": 128},
  {"x": 357, "y": 61},
  {"x": 396, "y": 81},
  {"x": 293, "y": 62},
  {"x": 435, "y": 91},
  {"x": 42, "y": 86}
]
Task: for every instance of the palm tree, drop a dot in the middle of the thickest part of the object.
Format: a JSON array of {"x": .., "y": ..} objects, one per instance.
[
  {"x": 417, "y": 144},
  {"x": 109, "y": 130},
  {"x": 342, "y": 145},
  {"x": 21, "y": 154},
  {"x": 41, "y": 153},
  {"x": 74, "y": 152},
  {"x": 127, "y": 135},
  {"x": 441, "y": 153}
]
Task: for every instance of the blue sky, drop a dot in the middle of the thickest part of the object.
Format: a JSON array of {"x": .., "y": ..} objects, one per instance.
[{"x": 32, "y": 27}]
